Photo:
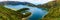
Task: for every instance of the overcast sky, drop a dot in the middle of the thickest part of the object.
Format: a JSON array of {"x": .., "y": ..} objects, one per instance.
[{"x": 36, "y": 2}]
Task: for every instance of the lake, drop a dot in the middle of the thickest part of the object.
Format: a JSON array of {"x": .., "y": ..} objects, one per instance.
[{"x": 36, "y": 12}]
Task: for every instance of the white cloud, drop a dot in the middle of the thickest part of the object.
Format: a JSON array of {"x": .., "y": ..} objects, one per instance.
[
  {"x": 2, "y": 0},
  {"x": 36, "y": 2}
]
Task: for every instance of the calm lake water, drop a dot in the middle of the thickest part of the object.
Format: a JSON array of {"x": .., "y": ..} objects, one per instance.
[{"x": 36, "y": 12}]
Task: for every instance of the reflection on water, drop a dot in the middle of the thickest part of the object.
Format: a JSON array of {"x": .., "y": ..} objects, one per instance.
[{"x": 36, "y": 12}]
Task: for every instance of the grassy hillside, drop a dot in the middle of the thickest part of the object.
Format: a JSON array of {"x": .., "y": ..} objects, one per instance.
[
  {"x": 8, "y": 14},
  {"x": 54, "y": 12}
]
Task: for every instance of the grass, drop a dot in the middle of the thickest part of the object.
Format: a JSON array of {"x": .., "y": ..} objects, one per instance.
[
  {"x": 53, "y": 13},
  {"x": 8, "y": 14}
]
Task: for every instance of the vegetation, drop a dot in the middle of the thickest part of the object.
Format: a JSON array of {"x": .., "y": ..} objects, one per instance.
[
  {"x": 8, "y": 14},
  {"x": 54, "y": 12}
]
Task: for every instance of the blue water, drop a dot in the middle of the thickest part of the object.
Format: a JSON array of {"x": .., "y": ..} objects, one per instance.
[{"x": 36, "y": 12}]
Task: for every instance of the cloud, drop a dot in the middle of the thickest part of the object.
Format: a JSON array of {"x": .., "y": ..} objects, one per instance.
[
  {"x": 2, "y": 0},
  {"x": 36, "y": 2}
]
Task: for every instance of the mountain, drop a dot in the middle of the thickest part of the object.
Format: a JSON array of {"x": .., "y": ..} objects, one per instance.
[
  {"x": 46, "y": 5},
  {"x": 54, "y": 12},
  {"x": 16, "y": 3}
]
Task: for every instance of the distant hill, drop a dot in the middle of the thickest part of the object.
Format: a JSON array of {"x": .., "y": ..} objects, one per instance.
[
  {"x": 14, "y": 3},
  {"x": 47, "y": 5}
]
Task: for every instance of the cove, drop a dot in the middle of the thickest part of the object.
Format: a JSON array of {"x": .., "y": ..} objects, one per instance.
[{"x": 36, "y": 12}]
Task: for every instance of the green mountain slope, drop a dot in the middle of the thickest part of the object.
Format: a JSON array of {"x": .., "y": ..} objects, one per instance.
[
  {"x": 53, "y": 13},
  {"x": 8, "y": 14}
]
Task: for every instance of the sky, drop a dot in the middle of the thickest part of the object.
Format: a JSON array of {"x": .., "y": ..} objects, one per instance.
[{"x": 36, "y": 2}]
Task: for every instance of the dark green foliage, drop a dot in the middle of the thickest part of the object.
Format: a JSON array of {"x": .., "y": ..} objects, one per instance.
[
  {"x": 27, "y": 14},
  {"x": 8, "y": 14},
  {"x": 23, "y": 9}
]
